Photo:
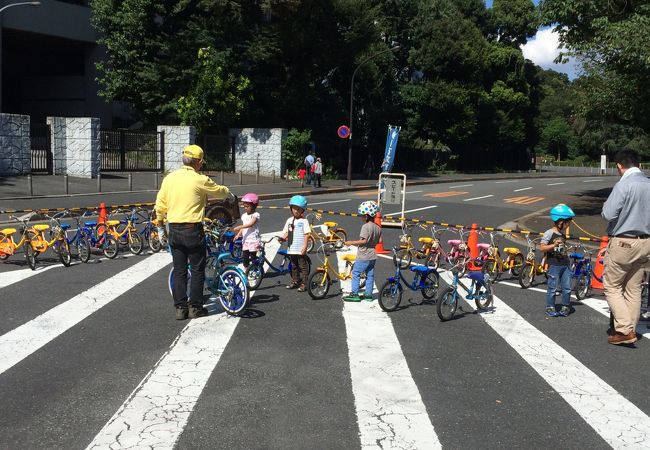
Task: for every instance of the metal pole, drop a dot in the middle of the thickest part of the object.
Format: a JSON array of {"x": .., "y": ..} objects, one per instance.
[
  {"x": 130, "y": 181},
  {"x": 30, "y": 186},
  {"x": 99, "y": 182},
  {"x": 155, "y": 181},
  {"x": 221, "y": 177},
  {"x": 286, "y": 175},
  {"x": 241, "y": 177},
  {"x": 65, "y": 183},
  {"x": 273, "y": 176}
]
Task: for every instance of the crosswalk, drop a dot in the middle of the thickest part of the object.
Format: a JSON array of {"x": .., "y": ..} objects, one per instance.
[{"x": 102, "y": 364}]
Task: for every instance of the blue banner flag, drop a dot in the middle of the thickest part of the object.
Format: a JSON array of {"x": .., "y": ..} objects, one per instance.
[{"x": 391, "y": 147}]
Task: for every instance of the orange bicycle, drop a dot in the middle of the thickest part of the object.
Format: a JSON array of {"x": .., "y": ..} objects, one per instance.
[
  {"x": 124, "y": 231},
  {"x": 36, "y": 243},
  {"x": 8, "y": 245}
]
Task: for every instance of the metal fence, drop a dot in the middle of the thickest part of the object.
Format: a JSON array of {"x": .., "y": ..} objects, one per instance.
[
  {"x": 41, "y": 150},
  {"x": 132, "y": 151},
  {"x": 219, "y": 152}
]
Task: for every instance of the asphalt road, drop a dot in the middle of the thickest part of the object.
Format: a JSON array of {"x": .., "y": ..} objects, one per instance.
[{"x": 91, "y": 356}]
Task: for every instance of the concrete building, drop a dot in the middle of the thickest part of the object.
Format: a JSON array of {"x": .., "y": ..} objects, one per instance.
[{"x": 47, "y": 56}]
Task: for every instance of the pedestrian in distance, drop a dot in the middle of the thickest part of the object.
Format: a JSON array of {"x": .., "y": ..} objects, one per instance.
[
  {"x": 318, "y": 172},
  {"x": 628, "y": 213},
  {"x": 301, "y": 174},
  {"x": 369, "y": 166},
  {"x": 249, "y": 229},
  {"x": 553, "y": 243},
  {"x": 181, "y": 203},
  {"x": 309, "y": 161},
  {"x": 366, "y": 257},
  {"x": 296, "y": 231}
]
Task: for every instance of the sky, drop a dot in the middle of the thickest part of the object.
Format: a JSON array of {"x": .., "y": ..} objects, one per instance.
[{"x": 542, "y": 49}]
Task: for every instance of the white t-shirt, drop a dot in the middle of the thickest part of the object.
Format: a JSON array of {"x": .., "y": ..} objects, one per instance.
[
  {"x": 252, "y": 234},
  {"x": 300, "y": 229}
]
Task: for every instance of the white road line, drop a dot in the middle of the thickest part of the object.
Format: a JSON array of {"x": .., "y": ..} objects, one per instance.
[
  {"x": 600, "y": 405},
  {"x": 460, "y": 186},
  {"x": 157, "y": 411},
  {"x": 411, "y": 210},
  {"x": 413, "y": 192},
  {"x": 478, "y": 198},
  {"x": 508, "y": 181},
  {"x": 522, "y": 189},
  {"x": 591, "y": 181},
  {"x": 333, "y": 201},
  {"x": 390, "y": 410},
  {"x": 15, "y": 276},
  {"x": 554, "y": 184},
  {"x": 21, "y": 342}
]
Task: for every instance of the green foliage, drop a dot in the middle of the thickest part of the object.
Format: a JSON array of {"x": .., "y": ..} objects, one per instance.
[
  {"x": 557, "y": 138},
  {"x": 295, "y": 146},
  {"x": 513, "y": 21}
]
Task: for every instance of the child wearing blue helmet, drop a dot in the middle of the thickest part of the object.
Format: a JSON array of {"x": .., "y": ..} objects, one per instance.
[
  {"x": 559, "y": 273},
  {"x": 296, "y": 231}
]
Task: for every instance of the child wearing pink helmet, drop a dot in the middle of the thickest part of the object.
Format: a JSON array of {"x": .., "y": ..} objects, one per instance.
[{"x": 249, "y": 229}]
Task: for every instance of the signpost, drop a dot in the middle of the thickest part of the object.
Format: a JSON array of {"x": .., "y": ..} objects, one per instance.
[
  {"x": 343, "y": 132},
  {"x": 603, "y": 164},
  {"x": 391, "y": 191}
]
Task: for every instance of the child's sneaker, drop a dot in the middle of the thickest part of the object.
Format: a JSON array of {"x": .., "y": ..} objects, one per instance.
[
  {"x": 565, "y": 311},
  {"x": 352, "y": 298},
  {"x": 302, "y": 288},
  {"x": 292, "y": 286},
  {"x": 551, "y": 311}
]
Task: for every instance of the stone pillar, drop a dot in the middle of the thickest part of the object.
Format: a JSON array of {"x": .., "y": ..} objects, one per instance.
[
  {"x": 259, "y": 144},
  {"x": 176, "y": 139},
  {"x": 75, "y": 146},
  {"x": 15, "y": 145}
]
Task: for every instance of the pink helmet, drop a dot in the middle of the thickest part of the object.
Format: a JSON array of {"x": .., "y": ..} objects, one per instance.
[{"x": 251, "y": 198}]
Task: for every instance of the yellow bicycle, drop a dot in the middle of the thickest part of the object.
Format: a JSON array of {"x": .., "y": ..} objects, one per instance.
[
  {"x": 124, "y": 231},
  {"x": 496, "y": 265},
  {"x": 321, "y": 280},
  {"x": 532, "y": 268},
  {"x": 36, "y": 243},
  {"x": 403, "y": 256},
  {"x": 331, "y": 235},
  {"x": 8, "y": 245}
]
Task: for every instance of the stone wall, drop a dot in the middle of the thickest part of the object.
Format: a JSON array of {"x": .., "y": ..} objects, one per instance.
[
  {"x": 15, "y": 145},
  {"x": 259, "y": 144},
  {"x": 176, "y": 139},
  {"x": 75, "y": 146}
]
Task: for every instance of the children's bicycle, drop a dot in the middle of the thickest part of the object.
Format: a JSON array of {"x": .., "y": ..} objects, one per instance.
[
  {"x": 459, "y": 253},
  {"x": 320, "y": 281},
  {"x": 8, "y": 245},
  {"x": 582, "y": 271},
  {"x": 331, "y": 235},
  {"x": 124, "y": 230},
  {"x": 495, "y": 265},
  {"x": 425, "y": 280},
  {"x": 256, "y": 271},
  {"x": 36, "y": 242},
  {"x": 404, "y": 256},
  {"x": 480, "y": 290},
  {"x": 532, "y": 268},
  {"x": 94, "y": 235}
]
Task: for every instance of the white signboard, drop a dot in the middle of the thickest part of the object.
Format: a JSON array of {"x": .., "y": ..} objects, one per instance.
[
  {"x": 393, "y": 195},
  {"x": 603, "y": 162}
]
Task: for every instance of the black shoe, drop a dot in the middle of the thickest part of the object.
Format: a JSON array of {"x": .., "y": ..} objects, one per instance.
[
  {"x": 197, "y": 311},
  {"x": 181, "y": 313}
]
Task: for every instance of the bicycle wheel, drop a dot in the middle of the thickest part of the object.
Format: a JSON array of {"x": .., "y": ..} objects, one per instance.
[
  {"x": 120, "y": 235},
  {"x": 110, "y": 247},
  {"x": 236, "y": 299},
  {"x": 492, "y": 269},
  {"x": 154, "y": 241},
  {"x": 310, "y": 244},
  {"x": 582, "y": 286},
  {"x": 390, "y": 295},
  {"x": 237, "y": 251},
  {"x": 483, "y": 296},
  {"x": 431, "y": 282},
  {"x": 254, "y": 275},
  {"x": 517, "y": 264},
  {"x": 527, "y": 276},
  {"x": 402, "y": 258},
  {"x": 64, "y": 252},
  {"x": 318, "y": 285},
  {"x": 30, "y": 255},
  {"x": 340, "y": 235},
  {"x": 433, "y": 260},
  {"x": 135, "y": 243},
  {"x": 83, "y": 249},
  {"x": 447, "y": 304}
]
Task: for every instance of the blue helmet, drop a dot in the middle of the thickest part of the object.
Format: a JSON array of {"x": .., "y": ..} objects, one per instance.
[
  {"x": 561, "y": 211},
  {"x": 299, "y": 201}
]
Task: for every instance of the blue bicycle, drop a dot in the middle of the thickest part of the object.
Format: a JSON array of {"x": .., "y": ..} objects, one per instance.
[
  {"x": 94, "y": 235},
  {"x": 256, "y": 272},
  {"x": 425, "y": 279},
  {"x": 480, "y": 290},
  {"x": 582, "y": 272}
]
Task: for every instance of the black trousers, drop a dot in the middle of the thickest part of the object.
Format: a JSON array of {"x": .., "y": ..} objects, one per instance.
[
  {"x": 317, "y": 180},
  {"x": 187, "y": 243},
  {"x": 299, "y": 269}
]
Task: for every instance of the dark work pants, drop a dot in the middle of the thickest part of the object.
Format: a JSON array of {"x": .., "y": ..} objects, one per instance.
[
  {"x": 317, "y": 180},
  {"x": 299, "y": 269},
  {"x": 187, "y": 243}
]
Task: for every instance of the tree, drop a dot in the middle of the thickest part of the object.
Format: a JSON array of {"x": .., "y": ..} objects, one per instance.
[
  {"x": 558, "y": 139},
  {"x": 513, "y": 21}
]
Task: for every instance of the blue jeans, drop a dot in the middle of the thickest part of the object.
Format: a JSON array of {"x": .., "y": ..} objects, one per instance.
[
  {"x": 360, "y": 267},
  {"x": 561, "y": 275}
]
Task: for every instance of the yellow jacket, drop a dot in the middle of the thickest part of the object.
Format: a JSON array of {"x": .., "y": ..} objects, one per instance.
[{"x": 183, "y": 196}]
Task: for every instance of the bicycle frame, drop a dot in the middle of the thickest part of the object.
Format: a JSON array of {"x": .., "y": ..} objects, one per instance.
[
  {"x": 328, "y": 268},
  {"x": 496, "y": 265},
  {"x": 8, "y": 245}
]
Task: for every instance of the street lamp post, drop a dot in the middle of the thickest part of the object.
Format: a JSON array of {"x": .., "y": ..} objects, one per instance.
[
  {"x": 392, "y": 49},
  {"x": 18, "y": 4}
]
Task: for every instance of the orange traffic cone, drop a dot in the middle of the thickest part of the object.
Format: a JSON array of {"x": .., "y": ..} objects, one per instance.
[
  {"x": 103, "y": 217},
  {"x": 599, "y": 266},
  {"x": 472, "y": 243},
  {"x": 379, "y": 248}
]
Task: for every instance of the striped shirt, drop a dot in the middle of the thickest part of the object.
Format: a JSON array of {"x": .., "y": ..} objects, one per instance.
[{"x": 300, "y": 228}]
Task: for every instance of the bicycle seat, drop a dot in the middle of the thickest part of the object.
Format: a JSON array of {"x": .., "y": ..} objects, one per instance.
[
  {"x": 349, "y": 257},
  {"x": 8, "y": 231},
  {"x": 90, "y": 224},
  {"x": 282, "y": 251},
  {"x": 41, "y": 227},
  {"x": 483, "y": 246},
  {"x": 576, "y": 255},
  {"x": 112, "y": 223},
  {"x": 330, "y": 224},
  {"x": 229, "y": 234},
  {"x": 419, "y": 269},
  {"x": 511, "y": 250},
  {"x": 454, "y": 242},
  {"x": 65, "y": 226},
  {"x": 425, "y": 240}
]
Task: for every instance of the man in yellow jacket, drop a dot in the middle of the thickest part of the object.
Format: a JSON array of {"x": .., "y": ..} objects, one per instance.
[{"x": 181, "y": 203}]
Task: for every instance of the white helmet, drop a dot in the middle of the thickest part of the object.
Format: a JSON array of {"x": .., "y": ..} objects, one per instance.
[{"x": 370, "y": 208}]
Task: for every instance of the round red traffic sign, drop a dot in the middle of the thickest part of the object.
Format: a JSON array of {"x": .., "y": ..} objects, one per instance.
[{"x": 343, "y": 132}]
